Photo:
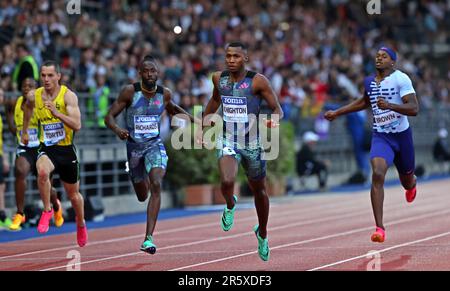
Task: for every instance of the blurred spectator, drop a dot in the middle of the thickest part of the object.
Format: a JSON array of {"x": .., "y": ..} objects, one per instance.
[
  {"x": 26, "y": 67},
  {"x": 5, "y": 222},
  {"x": 441, "y": 151},
  {"x": 357, "y": 126},
  {"x": 308, "y": 164},
  {"x": 97, "y": 106},
  {"x": 360, "y": 133}
]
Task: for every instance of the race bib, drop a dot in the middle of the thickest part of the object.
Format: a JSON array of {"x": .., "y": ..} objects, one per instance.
[
  {"x": 146, "y": 124},
  {"x": 386, "y": 119},
  {"x": 53, "y": 133},
  {"x": 234, "y": 109},
  {"x": 33, "y": 139}
]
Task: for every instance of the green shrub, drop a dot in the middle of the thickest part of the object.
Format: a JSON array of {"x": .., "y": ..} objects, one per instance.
[
  {"x": 200, "y": 166},
  {"x": 284, "y": 165},
  {"x": 191, "y": 166}
]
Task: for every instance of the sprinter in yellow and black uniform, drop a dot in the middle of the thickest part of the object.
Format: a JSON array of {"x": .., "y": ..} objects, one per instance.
[
  {"x": 56, "y": 108},
  {"x": 26, "y": 155}
]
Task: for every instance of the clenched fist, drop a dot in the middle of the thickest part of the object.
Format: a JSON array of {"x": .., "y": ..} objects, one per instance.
[{"x": 330, "y": 115}]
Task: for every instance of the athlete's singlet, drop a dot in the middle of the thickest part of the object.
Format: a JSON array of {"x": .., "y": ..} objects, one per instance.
[{"x": 53, "y": 130}]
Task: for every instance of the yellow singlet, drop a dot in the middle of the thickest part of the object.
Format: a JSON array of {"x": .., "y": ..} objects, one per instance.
[
  {"x": 53, "y": 130},
  {"x": 32, "y": 128}
]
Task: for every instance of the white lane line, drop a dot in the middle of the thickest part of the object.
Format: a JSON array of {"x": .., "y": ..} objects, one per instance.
[
  {"x": 332, "y": 218},
  {"x": 313, "y": 240},
  {"x": 271, "y": 230},
  {"x": 382, "y": 251},
  {"x": 174, "y": 230}
]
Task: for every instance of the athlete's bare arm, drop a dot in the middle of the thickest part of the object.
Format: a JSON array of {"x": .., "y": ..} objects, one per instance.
[
  {"x": 73, "y": 117},
  {"x": 357, "y": 105},
  {"x": 262, "y": 87},
  {"x": 215, "y": 101},
  {"x": 409, "y": 107},
  {"x": 122, "y": 102},
  {"x": 10, "y": 105},
  {"x": 174, "y": 109},
  {"x": 27, "y": 113}
]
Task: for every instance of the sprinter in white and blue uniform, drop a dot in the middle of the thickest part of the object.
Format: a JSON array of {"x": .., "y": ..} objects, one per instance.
[
  {"x": 240, "y": 92},
  {"x": 145, "y": 102},
  {"x": 392, "y": 98}
]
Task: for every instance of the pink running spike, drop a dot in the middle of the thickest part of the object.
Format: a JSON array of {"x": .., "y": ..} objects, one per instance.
[
  {"x": 82, "y": 235},
  {"x": 410, "y": 194},
  {"x": 44, "y": 221},
  {"x": 379, "y": 235}
]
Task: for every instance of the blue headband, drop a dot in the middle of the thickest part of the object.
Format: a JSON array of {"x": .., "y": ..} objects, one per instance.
[{"x": 390, "y": 52}]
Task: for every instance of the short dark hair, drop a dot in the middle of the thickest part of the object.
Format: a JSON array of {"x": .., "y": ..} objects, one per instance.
[
  {"x": 29, "y": 78},
  {"x": 148, "y": 58},
  {"x": 237, "y": 44},
  {"x": 49, "y": 63}
]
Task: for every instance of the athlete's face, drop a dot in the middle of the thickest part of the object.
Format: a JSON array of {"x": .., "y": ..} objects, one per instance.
[
  {"x": 50, "y": 77},
  {"x": 235, "y": 58},
  {"x": 149, "y": 74},
  {"x": 27, "y": 85},
  {"x": 383, "y": 60}
]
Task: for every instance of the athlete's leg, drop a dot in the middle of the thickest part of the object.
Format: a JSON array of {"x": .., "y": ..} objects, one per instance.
[
  {"x": 22, "y": 169},
  {"x": 44, "y": 169},
  {"x": 228, "y": 168},
  {"x": 156, "y": 176},
  {"x": 379, "y": 170},
  {"x": 258, "y": 188},
  {"x": 54, "y": 199},
  {"x": 141, "y": 189},
  {"x": 408, "y": 181},
  {"x": 76, "y": 199},
  {"x": 381, "y": 158},
  {"x": 405, "y": 160},
  {"x": 138, "y": 175}
]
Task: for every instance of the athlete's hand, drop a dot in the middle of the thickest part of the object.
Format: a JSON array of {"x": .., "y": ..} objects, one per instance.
[
  {"x": 123, "y": 134},
  {"x": 383, "y": 104},
  {"x": 270, "y": 123},
  {"x": 24, "y": 138},
  {"x": 330, "y": 115},
  {"x": 51, "y": 106},
  {"x": 199, "y": 136}
]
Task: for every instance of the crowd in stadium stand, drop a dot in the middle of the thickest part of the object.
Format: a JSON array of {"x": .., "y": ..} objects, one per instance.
[{"x": 312, "y": 51}]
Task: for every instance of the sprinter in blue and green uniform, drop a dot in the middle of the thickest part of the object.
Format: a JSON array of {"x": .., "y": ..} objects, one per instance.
[
  {"x": 144, "y": 103},
  {"x": 239, "y": 92}
]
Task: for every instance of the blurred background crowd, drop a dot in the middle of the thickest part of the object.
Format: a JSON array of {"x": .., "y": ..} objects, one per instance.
[
  {"x": 315, "y": 53},
  {"x": 312, "y": 51}
]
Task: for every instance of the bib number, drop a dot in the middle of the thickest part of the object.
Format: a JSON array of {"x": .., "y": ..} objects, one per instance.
[
  {"x": 235, "y": 109},
  {"x": 146, "y": 125},
  {"x": 53, "y": 133},
  {"x": 386, "y": 119},
  {"x": 33, "y": 139}
]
